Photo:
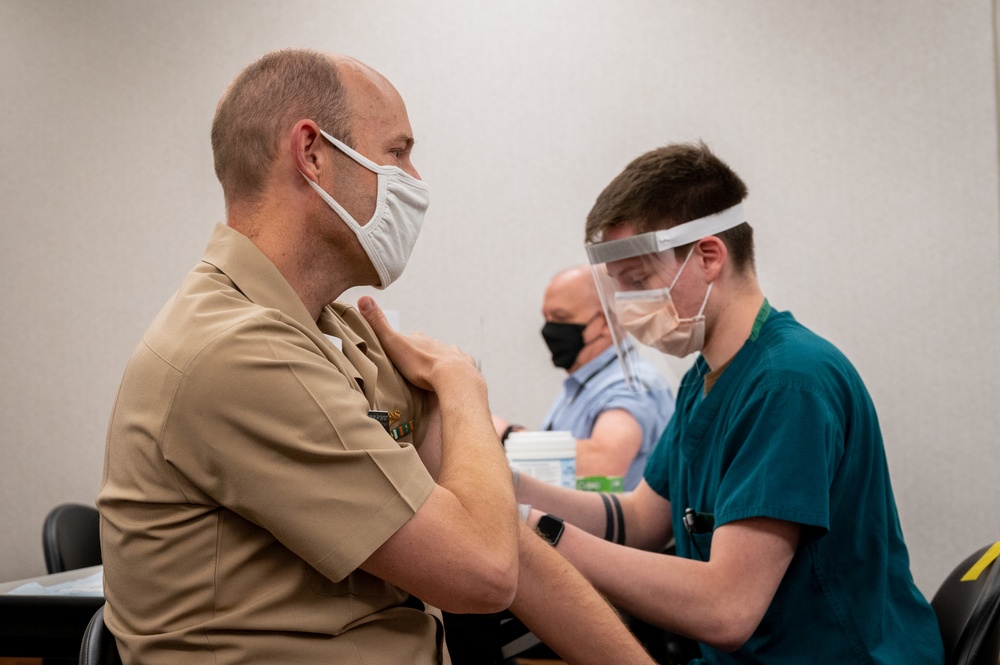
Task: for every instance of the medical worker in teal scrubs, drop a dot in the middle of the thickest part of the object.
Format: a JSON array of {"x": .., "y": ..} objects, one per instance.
[{"x": 771, "y": 475}]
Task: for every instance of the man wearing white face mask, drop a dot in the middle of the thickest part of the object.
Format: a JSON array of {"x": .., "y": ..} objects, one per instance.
[
  {"x": 771, "y": 476},
  {"x": 264, "y": 498}
]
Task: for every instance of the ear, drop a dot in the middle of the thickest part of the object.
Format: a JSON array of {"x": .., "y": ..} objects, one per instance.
[
  {"x": 599, "y": 321},
  {"x": 712, "y": 254},
  {"x": 305, "y": 144}
]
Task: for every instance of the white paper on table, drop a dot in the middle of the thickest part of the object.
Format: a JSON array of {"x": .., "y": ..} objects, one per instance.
[{"x": 92, "y": 585}]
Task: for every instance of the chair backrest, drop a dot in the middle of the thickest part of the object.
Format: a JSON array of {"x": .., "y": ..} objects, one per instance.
[
  {"x": 969, "y": 613},
  {"x": 99, "y": 646},
  {"x": 71, "y": 537}
]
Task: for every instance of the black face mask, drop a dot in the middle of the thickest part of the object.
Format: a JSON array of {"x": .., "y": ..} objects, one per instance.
[{"x": 565, "y": 341}]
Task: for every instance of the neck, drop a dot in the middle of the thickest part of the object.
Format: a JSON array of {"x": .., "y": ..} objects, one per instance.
[
  {"x": 589, "y": 352},
  {"x": 731, "y": 324},
  {"x": 302, "y": 258}
]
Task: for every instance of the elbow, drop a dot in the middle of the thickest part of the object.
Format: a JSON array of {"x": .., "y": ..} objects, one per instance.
[
  {"x": 499, "y": 582},
  {"x": 497, "y": 594},
  {"x": 732, "y": 629},
  {"x": 489, "y": 588},
  {"x": 728, "y": 642}
]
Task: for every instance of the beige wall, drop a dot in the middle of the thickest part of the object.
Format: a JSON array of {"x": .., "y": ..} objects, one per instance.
[{"x": 866, "y": 131}]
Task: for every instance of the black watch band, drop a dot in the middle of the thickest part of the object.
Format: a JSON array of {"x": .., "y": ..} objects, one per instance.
[
  {"x": 506, "y": 432},
  {"x": 550, "y": 528}
]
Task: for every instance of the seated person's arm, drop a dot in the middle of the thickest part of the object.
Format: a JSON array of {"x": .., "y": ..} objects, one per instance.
[
  {"x": 614, "y": 442},
  {"x": 459, "y": 550},
  {"x": 555, "y": 601},
  {"x": 719, "y": 602}
]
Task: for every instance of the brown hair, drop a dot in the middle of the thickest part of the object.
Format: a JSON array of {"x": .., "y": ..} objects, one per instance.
[
  {"x": 262, "y": 103},
  {"x": 669, "y": 186}
]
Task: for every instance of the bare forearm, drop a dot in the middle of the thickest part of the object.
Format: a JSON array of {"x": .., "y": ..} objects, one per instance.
[
  {"x": 472, "y": 463},
  {"x": 720, "y": 602},
  {"x": 566, "y": 612},
  {"x": 469, "y": 521},
  {"x": 642, "y": 583},
  {"x": 468, "y": 524},
  {"x": 584, "y": 509}
]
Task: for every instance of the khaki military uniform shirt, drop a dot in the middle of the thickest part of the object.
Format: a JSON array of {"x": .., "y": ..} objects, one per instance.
[{"x": 244, "y": 481}]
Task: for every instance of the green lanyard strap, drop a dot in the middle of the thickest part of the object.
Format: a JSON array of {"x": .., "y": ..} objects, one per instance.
[{"x": 765, "y": 311}]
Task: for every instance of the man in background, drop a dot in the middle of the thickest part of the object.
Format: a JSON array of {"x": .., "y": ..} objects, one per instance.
[
  {"x": 616, "y": 421},
  {"x": 263, "y": 498}
]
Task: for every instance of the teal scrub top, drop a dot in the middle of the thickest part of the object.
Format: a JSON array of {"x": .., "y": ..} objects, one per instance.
[{"x": 789, "y": 432}]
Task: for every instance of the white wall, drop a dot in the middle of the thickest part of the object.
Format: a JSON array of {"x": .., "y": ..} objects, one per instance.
[{"x": 866, "y": 132}]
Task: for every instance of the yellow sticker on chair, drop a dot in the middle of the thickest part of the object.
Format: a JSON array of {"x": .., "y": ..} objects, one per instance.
[{"x": 984, "y": 561}]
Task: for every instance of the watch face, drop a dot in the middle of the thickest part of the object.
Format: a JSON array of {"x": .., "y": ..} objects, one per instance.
[{"x": 550, "y": 528}]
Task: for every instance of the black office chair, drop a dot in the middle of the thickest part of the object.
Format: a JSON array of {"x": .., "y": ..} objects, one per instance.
[
  {"x": 99, "y": 646},
  {"x": 969, "y": 614},
  {"x": 71, "y": 537}
]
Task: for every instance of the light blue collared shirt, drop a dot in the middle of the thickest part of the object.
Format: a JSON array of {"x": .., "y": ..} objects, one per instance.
[{"x": 600, "y": 386}]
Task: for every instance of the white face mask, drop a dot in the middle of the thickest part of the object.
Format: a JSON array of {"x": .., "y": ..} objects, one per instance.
[
  {"x": 389, "y": 236},
  {"x": 651, "y": 317}
]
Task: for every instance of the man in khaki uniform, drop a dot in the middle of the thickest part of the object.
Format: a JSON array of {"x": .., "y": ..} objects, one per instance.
[{"x": 263, "y": 498}]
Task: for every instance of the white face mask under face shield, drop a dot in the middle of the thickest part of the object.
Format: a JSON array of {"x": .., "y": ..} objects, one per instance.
[
  {"x": 635, "y": 276},
  {"x": 389, "y": 236}
]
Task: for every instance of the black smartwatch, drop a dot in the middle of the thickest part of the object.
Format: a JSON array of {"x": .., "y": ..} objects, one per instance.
[{"x": 550, "y": 528}]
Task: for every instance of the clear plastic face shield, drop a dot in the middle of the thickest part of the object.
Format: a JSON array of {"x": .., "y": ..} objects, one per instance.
[{"x": 635, "y": 275}]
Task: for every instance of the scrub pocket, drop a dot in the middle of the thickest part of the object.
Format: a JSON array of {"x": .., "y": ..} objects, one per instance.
[{"x": 701, "y": 545}]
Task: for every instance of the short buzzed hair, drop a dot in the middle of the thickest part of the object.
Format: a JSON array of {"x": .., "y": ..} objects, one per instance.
[
  {"x": 261, "y": 104},
  {"x": 671, "y": 185}
]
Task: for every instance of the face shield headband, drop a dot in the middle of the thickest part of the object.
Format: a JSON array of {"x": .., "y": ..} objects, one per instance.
[{"x": 647, "y": 263}]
